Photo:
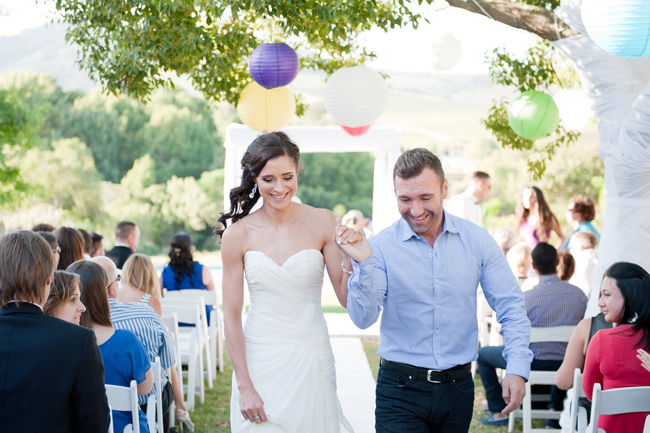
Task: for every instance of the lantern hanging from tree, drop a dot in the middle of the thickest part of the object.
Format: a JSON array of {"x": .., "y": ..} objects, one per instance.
[
  {"x": 620, "y": 27},
  {"x": 533, "y": 115},
  {"x": 266, "y": 110},
  {"x": 447, "y": 51},
  {"x": 575, "y": 108},
  {"x": 355, "y": 132},
  {"x": 355, "y": 96},
  {"x": 274, "y": 65}
]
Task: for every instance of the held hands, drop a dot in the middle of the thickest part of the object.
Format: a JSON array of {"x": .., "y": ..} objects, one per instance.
[
  {"x": 251, "y": 405},
  {"x": 351, "y": 242},
  {"x": 514, "y": 390}
]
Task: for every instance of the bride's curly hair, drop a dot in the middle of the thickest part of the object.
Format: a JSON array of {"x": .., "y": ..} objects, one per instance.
[{"x": 263, "y": 149}]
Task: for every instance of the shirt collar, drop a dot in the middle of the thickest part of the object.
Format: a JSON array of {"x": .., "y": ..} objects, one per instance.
[
  {"x": 548, "y": 277},
  {"x": 121, "y": 244},
  {"x": 448, "y": 225},
  {"x": 25, "y": 302}
]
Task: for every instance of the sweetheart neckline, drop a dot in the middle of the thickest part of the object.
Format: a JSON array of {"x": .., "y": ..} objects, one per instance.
[{"x": 287, "y": 260}]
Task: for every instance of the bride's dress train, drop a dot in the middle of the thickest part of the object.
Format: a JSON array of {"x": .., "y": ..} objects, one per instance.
[{"x": 288, "y": 350}]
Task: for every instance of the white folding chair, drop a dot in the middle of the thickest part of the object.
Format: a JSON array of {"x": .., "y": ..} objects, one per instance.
[
  {"x": 125, "y": 399},
  {"x": 646, "y": 426},
  {"x": 171, "y": 322},
  {"x": 617, "y": 401},
  {"x": 215, "y": 330},
  {"x": 204, "y": 336},
  {"x": 190, "y": 349},
  {"x": 110, "y": 416},
  {"x": 578, "y": 413},
  {"x": 560, "y": 334},
  {"x": 154, "y": 402}
]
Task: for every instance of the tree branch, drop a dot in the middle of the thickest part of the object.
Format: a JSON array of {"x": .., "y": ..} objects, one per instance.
[{"x": 522, "y": 16}]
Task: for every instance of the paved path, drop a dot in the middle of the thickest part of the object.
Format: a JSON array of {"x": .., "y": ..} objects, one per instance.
[
  {"x": 355, "y": 384},
  {"x": 340, "y": 325}
]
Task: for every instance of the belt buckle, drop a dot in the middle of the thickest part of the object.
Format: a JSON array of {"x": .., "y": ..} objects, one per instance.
[{"x": 429, "y": 376}]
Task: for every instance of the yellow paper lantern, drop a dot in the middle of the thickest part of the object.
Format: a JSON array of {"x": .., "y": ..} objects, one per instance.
[{"x": 266, "y": 110}]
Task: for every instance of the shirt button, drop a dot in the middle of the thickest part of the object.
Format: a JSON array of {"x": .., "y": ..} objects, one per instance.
[
  {"x": 430, "y": 255},
  {"x": 436, "y": 281},
  {"x": 437, "y": 331},
  {"x": 437, "y": 305}
]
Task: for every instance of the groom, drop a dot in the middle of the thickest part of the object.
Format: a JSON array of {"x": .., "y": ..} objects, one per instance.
[{"x": 423, "y": 271}]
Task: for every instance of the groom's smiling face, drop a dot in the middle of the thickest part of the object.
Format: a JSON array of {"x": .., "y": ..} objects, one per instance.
[{"x": 419, "y": 199}]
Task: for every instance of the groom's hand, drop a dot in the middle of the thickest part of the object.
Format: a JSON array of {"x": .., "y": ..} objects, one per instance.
[
  {"x": 514, "y": 390},
  {"x": 351, "y": 242}
]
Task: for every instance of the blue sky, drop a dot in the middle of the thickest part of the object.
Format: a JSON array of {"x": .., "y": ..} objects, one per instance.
[{"x": 406, "y": 49}]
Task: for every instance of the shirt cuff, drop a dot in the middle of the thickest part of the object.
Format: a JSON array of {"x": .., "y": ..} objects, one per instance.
[
  {"x": 518, "y": 367},
  {"x": 364, "y": 267}
]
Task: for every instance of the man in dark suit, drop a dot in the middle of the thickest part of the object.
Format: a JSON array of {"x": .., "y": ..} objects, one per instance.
[
  {"x": 127, "y": 237},
  {"x": 52, "y": 376}
]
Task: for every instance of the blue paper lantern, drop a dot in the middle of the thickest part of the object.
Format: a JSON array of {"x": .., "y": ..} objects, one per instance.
[
  {"x": 620, "y": 27},
  {"x": 274, "y": 65}
]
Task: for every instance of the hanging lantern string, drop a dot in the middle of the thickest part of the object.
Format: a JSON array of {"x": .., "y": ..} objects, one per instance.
[{"x": 484, "y": 11}]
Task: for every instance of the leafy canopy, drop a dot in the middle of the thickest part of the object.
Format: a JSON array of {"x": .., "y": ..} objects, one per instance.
[{"x": 134, "y": 46}]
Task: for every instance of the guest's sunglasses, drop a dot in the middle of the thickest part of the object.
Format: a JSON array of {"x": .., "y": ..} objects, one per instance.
[{"x": 116, "y": 280}]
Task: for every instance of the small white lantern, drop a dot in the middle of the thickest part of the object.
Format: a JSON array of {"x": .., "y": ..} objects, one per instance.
[
  {"x": 355, "y": 96},
  {"x": 447, "y": 51},
  {"x": 575, "y": 108}
]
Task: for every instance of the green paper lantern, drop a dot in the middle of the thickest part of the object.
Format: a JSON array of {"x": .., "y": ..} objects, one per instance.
[{"x": 533, "y": 115}]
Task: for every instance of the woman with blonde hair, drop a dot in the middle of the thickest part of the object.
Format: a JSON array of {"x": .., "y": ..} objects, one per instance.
[
  {"x": 64, "y": 301},
  {"x": 140, "y": 282},
  {"x": 520, "y": 260}
]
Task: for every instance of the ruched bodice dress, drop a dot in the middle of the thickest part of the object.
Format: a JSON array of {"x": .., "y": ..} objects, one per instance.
[{"x": 288, "y": 350}]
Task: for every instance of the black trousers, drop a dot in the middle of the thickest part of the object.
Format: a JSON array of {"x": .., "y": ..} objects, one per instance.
[{"x": 167, "y": 399}]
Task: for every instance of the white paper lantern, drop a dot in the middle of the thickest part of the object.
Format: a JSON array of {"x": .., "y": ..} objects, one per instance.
[
  {"x": 575, "y": 108},
  {"x": 620, "y": 27},
  {"x": 447, "y": 51},
  {"x": 355, "y": 96}
]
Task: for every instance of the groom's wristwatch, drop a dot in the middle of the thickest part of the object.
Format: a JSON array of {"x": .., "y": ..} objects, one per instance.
[{"x": 345, "y": 270}]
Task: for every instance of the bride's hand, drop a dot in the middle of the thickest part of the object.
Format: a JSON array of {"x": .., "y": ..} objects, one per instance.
[
  {"x": 251, "y": 405},
  {"x": 351, "y": 242}
]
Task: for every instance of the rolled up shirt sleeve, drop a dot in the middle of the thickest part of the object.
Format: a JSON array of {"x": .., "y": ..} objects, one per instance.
[
  {"x": 367, "y": 290},
  {"x": 506, "y": 298}
]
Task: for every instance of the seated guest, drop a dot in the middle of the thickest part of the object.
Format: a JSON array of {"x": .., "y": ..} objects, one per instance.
[
  {"x": 56, "y": 249},
  {"x": 125, "y": 358},
  {"x": 127, "y": 238},
  {"x": 580, "y": 214},
  {"x": 64, "y": 301},
  {"x": 98, "y": 245},
  {"x": 44, "y": 228},
  {"x": 140, "y": 282},
  {"x": 566, "y": 265},
  {"x": 505, "y": 238},
  {"x": 72, "y": 246},
  {"x": 52, "y": 374},
  {"x": 147, "y": 325},
  {"x": 183, "y": 272},
  {"x": 552, "y": 302},
  {"x": 88, "y": 243},
  {"x": 583, "y": 249},
  {"x": 520, "y": 261},
  {"x": 612, "y": 354}
]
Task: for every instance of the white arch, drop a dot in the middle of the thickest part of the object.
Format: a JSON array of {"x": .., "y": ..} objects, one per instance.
[{"x": 383, "y": 141}]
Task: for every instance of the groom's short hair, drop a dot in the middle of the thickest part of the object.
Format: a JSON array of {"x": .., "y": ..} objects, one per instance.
[{"x": 412, "y": 162}]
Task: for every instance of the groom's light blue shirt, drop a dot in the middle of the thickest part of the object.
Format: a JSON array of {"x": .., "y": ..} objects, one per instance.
[{"x": 429, "y": 295}]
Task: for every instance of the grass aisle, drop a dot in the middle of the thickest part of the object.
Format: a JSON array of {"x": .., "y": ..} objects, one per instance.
[{"x": 214, "y": 415}]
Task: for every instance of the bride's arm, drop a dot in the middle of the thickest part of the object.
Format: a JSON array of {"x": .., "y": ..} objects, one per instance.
[
  {"x": 232, "y": 256},
  {"x": 333, "y": 256}
]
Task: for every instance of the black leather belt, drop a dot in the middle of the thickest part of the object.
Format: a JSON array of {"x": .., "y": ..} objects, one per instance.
[{"x": 433, "y": 376}]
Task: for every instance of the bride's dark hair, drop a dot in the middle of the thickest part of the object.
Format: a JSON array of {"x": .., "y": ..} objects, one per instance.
[{"x": 263, "y": 149}]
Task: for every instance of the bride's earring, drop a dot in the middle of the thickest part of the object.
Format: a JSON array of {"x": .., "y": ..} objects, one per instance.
[
  {"x": 252, "y": 194},
  {"x": 634, "y": 318}
]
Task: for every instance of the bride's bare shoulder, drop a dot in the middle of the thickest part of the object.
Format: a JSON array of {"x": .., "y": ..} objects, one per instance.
[
  {"x": 235, "y": 235},
  {"x": 322, "y": 219}
]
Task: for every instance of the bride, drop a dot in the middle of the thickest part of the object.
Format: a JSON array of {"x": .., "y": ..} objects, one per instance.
[{"x": 284, "y": 377}]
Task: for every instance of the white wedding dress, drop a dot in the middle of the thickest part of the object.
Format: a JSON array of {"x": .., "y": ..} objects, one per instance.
[{"x": 288, "y": 350}]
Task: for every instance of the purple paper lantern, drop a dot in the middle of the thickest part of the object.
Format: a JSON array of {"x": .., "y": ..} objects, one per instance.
[{"x": 274, "y": 65}]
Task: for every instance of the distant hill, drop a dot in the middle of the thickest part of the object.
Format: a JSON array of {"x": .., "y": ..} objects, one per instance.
[{"x": 44, "y": 49}]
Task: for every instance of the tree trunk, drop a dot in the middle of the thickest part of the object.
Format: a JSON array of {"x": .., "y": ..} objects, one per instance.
[{"x": 619, "y": 90}]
